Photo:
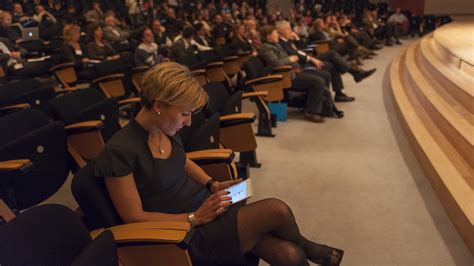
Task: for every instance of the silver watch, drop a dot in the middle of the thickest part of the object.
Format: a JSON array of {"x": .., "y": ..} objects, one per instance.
[{"x": 192, "y": 219}]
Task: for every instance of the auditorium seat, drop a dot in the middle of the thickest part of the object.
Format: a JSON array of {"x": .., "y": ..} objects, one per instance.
[{"x": 54, "y": 235}]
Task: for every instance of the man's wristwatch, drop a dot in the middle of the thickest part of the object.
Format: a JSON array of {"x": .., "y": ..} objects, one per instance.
[{"x": 192, "y": 219}]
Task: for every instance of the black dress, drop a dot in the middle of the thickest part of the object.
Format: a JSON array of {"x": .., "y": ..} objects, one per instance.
[{"x": 164, "y": 187}]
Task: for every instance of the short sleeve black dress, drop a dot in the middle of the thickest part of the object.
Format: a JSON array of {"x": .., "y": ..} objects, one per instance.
[{"x": 164, "y": 187}]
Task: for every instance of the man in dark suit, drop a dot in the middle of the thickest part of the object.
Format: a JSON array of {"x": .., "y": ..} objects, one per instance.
[
  {"x": 330, "y": 62},
  {"x": 274, "y": 56},
  {"x": 183, "y": 45},
  {"x": 12, "y": 58}
]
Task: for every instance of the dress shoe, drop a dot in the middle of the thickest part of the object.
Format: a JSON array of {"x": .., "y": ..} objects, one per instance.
[
  {"x": 398, "y": 42},
  {"x": 360, "y": 75},
  {"x": 389, "y": 43},
  {"x": 338, "y": 114},
  {"x": 343, "y": 98},
  {"x": 375, "y": 47},
  {"x": 314, "y": 118}
]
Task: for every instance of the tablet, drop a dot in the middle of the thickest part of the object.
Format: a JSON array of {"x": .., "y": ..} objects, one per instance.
[{"x": 241, "y": 191}]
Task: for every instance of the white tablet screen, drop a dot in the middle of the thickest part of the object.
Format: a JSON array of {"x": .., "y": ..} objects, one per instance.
[{"x": 240, "y": 191}]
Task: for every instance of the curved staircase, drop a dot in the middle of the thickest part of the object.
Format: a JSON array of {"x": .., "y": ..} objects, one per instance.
[{"x": 434, "y": 97}]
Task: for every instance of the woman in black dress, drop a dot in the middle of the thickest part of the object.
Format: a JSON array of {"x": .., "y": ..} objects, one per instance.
[{"x": 149, "y": 178}]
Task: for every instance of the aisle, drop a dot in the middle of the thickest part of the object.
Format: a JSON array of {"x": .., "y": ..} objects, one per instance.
[{"x": 355, "y": 184}]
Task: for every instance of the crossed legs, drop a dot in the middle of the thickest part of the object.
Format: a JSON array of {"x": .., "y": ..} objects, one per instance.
[{"x": 268, "y": 229}]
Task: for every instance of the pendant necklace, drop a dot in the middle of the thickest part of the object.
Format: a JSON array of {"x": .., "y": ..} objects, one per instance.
[{"x": 161, "y": 150}]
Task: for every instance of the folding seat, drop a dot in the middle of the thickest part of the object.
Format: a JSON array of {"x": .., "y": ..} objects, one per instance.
[
  {"x": 54, "y": 235},
  {"x": 25, "y": 93},
  {"x": 201, "y": 140},
  {"x": 137, "y": 76},
  {"x": 65, "y": 74},
  {"x": 236, "y": 132},
  {"x": 230, "y": 103},
  {"x": 85, "y": 105},
  {"x": 34, "y": 158}
]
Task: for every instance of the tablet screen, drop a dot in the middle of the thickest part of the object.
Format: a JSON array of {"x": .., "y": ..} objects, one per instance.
[{"x": 240, "y": 191}]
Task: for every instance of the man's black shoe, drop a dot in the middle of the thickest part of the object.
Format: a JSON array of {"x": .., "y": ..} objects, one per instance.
[
  {"x": 360, "y": 75},
  {"x": 343, "y": 98},
  {"x": 398, "y": 42},
  {"x": 389, "y": 43}
]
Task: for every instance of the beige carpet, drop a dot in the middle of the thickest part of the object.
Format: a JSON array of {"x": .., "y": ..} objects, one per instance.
[{"x": 354, "y": 182}]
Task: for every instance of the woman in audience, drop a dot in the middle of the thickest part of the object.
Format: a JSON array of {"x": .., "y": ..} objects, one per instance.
[
  {"x": 98, "y": 48},
  {"x": 146, "y": 53},
  {"x": 240, "y": 41},
  {"x": 149, "y": 178},
  {"x": 72, "y": 51}
]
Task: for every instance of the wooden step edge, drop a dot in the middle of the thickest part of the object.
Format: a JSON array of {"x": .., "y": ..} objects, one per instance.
[
  {"x": 450, "y": 72},
  {"x": 451, "y": 123},
  {"x": 459, "y": 207},
  {"x": 454, "y": 87},
  {"x": 463, "y": 64},
  {"x": 458, "y": 97},
  {"x": 451, "y": 177}
]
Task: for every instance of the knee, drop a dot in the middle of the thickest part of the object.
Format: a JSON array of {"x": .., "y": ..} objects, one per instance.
[
  {"x": 280, "y": 210},
  {"x": 293, "y": 255}
]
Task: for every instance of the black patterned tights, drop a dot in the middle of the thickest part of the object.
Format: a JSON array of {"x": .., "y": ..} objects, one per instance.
[{"x": 268, "y": 229}]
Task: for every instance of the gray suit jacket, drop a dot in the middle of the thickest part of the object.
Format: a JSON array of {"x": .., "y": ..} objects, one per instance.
[{"x": 274, "y": 55}]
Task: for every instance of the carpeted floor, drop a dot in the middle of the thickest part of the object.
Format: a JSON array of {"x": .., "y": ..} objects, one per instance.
[{"x": 354, "y": 182}]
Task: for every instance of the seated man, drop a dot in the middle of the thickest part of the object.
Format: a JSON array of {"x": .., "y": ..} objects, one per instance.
[
  {"x": 275, "y": 56},
  {"x": 183, "y": 45},
  {"x": 115, "y": 35},
  {"x": 330, "y": 63},
  {"x": 16, "y": 64},
  {"x": 5, "y": 28}
]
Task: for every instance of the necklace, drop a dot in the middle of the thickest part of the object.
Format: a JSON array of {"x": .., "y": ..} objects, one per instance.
[{"x": 160, "y": 149}]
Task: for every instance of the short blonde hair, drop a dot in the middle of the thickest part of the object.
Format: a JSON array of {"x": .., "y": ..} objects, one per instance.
[
  {"x": 69, "y": 30},
  {"x": 172, "y": 84}
]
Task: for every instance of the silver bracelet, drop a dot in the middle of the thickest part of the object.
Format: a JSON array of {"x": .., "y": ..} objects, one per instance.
[{"x": 192, "y": 219}]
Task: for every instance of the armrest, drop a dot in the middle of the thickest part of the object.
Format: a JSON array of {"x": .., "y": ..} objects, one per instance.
[
  {"x": 23, "y": 165},
  {"x": 63, "y": 90},
  {"x": 254, "y": 94},
  {"x": 230, "y": 58},
  {"x": 215, "y": 64},
  {"x": 211, "y": 156},
  {"x": 16, "y": 106},
  {"x": 263, "y": 80},
  {"x": 236, "y": 119},
  {"x": 61, "y": 66},
  {"x": 107, "y": 78},
  {"x": 244, "y": 53},
  {"x": 140, "y": 69},
  {"x": 151, "y": 232},
  {"x": 198, "y": 72},
  {"x": 129, "y": 101},
  {"x": 83, "y": 127},
  {"x": 321, "y": 42},
  {"x": 237, "y": 116},
  {"x": 282, "y": 69}
]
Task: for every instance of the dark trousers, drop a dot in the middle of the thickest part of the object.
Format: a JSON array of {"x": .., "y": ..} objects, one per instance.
[
  {"x": 31, "y": 69},
  {"x": 340, "y": 64},
  {"x": 314, "y": 86}
]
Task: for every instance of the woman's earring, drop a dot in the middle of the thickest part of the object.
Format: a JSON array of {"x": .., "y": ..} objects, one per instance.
[{"x": 158, "y": 113}]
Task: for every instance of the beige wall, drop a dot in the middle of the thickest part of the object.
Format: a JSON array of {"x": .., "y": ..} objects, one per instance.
[{"x": 450, "y": 7}]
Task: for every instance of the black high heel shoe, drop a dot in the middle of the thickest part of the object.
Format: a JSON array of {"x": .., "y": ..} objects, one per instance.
[{"x": 329, "y": 257}]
